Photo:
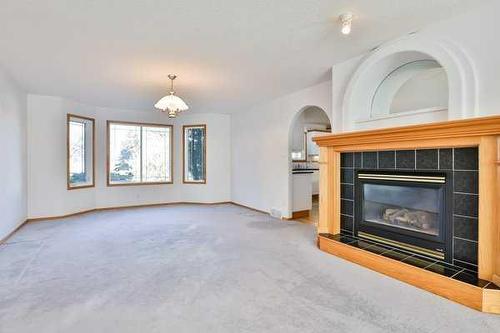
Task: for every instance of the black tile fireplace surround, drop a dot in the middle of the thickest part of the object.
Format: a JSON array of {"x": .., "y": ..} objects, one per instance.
[{"x": 458, "y": 166}]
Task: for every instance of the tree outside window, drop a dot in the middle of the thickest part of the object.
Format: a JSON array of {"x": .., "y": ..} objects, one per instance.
[
  {"x": 139, "y": 153},
  {"x": 80, "y": 141},
  {"x": 194, "y": 142}
]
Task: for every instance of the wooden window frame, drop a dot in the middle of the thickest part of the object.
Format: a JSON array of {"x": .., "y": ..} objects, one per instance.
[
  {"x": 184, "y": 181},
  {"x": 108, "y": 148},
  {"x": 68, "y": 184}
]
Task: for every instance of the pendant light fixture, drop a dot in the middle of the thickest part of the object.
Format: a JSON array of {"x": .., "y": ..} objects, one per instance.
[{"x": 171, "y": 104}]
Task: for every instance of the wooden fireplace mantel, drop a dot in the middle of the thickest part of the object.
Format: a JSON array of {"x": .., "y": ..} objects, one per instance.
[
  {"x": 467, "y": 130},
  {"x": 483, "y": 133}
]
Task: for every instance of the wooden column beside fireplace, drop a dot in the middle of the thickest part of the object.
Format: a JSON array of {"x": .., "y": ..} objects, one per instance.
[{"x": 449, "y": 141}]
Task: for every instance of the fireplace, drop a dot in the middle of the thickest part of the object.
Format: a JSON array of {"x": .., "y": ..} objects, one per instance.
[
  {"x": 405, "y": 209},
  {"x": 366, "y": 174}
]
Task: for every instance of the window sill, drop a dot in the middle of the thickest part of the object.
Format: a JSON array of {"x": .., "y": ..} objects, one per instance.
[
  {"x": 138, "y": 184},
  {"x": 78, "y": 187}
]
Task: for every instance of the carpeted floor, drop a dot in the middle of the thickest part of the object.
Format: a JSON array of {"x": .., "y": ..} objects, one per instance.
[{"x": 195, "y": 268}]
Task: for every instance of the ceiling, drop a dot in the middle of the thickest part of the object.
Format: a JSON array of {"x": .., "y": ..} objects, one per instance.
[{"x": 228, "y": 54}]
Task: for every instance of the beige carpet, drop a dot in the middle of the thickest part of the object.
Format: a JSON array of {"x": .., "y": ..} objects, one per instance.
[{"x": 203, "y": 269}]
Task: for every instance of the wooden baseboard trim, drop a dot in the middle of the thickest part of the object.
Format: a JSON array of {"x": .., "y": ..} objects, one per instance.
[
  {"x": 248, "y": 207},
  {"x": 486, "y": 300},
  {"x": 298, "y": 215},
  {"x": 165, "y": 204},
  {"x": 58, "y": 217},
  {"x": 20, "y": 225}
]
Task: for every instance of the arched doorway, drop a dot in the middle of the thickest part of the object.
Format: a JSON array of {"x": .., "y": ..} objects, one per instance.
[{"x": 308, "y": 122}]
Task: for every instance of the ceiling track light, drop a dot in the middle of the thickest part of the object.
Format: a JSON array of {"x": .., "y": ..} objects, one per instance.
[{"x": 346, "y": 21}]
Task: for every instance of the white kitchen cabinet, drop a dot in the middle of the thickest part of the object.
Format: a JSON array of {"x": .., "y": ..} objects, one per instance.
[{"x": 302, "y": 191}]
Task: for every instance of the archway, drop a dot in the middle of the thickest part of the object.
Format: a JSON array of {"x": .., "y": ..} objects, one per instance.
[
  {"x": 412, "y": 53},
  {"x": 303, "y": 158}
]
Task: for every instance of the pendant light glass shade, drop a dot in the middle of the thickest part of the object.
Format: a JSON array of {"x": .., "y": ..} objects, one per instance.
[{"x": 171, "y": 104}]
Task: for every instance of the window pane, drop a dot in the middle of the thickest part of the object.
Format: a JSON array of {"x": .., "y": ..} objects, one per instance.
[
  {"x": 80, "y": 131},
  {"x": 155, "y": 154},
  {"x": 194, "y": 154},
  {"x": 77, "y": 148},
  {"x": 124, "y": 153},
  {"x": 418, "y": 85}
]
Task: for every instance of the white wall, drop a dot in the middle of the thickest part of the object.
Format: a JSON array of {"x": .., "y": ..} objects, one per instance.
[
  {"x": 48, "y": 195},
  {"x": 260, "y": 142},
  {"x": 248, "y": 158},
  {"x": 463, "y": 42},
  {"x": 260, "y": 134},
  {"x": 476, "y": 34},
  {"x": 341, "y": 74},
  {"x": 13, "y": 188}
]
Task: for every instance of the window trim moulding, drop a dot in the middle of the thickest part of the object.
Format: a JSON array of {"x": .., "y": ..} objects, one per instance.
[
  {"x": 120, "y": 122},
  {"x": 68, "y": 184},
  {"x": 184, "y": 181}
]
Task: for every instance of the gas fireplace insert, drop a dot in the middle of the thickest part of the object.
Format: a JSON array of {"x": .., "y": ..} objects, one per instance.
[{"x": 407, "y": 209}]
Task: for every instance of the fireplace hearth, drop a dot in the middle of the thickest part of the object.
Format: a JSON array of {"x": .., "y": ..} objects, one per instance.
[{"x": 409, "y": 210}]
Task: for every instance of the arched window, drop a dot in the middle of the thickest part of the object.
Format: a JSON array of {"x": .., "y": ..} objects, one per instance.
[{"x": 420, "y": 85}]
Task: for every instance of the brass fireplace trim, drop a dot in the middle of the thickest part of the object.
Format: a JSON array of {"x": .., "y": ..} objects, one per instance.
[
  {"x": 411, "y": 248},
  {"x": 404, "y": 178}
]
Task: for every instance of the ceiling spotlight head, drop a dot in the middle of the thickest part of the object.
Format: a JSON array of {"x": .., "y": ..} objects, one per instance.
[{"x": 346, "y": 21}]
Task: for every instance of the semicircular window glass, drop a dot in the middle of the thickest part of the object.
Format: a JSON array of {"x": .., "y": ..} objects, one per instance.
[{"x": 415, "y": 86}]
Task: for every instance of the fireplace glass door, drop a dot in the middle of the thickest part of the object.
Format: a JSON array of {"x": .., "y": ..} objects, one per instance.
[
  {"x": 405, "y": 209},
  {"x": 411, "y": 208}
]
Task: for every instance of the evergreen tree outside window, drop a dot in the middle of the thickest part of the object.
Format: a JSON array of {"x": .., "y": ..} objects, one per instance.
[
  {"x": 80, "y": 152},
  {"x": 139, "y": 153},
  {"x": 194, "y": 151}
]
